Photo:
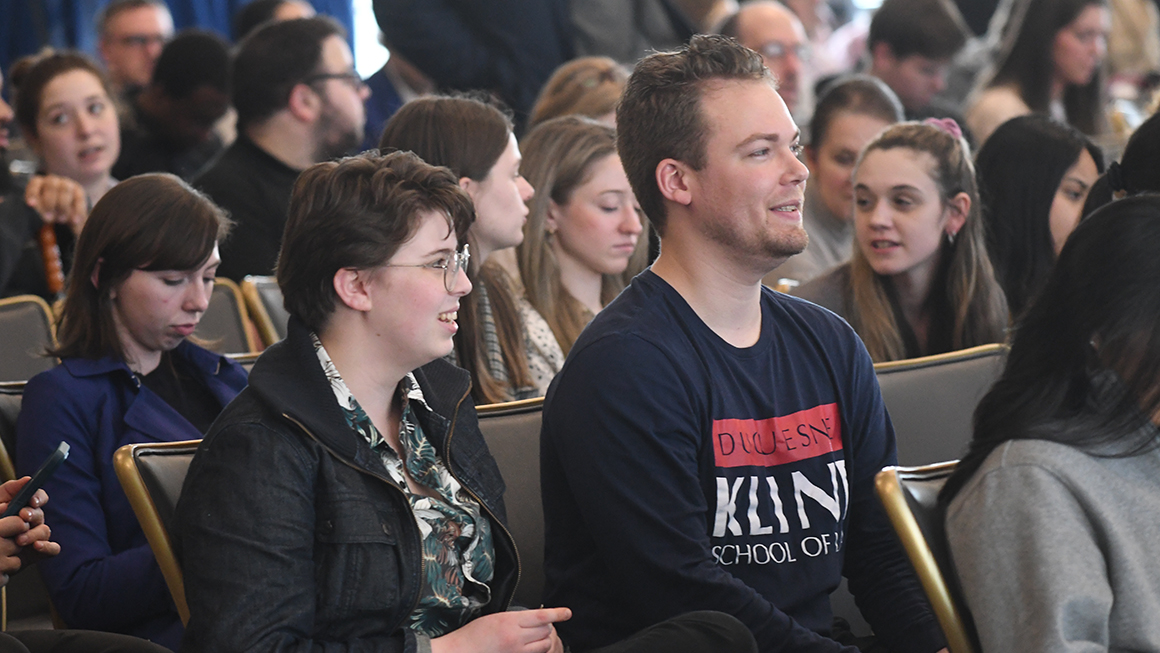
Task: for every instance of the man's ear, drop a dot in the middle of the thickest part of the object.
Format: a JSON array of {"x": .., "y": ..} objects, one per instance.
[
  {"x": 673, "y": 180},
  {"x": 352, "y": 287},
  {"x": 305, "y": 104},
  {"x": 882, "y": 57}
]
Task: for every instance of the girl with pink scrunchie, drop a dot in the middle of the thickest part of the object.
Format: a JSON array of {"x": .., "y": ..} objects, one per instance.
[{"x": 920, "y": 281}]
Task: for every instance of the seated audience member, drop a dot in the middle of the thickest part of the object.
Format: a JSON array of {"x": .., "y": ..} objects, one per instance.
[
  {"x": 130, "y": 35},
  {"x": 66, "y": 113},
  {"x": 475, "y": 141},
  {"x": 773, "y": 31},
  {"x": 250, "y": 16},
  {"x": 299, "y": 102},
  {"x": 920, "y": 281},
  {"x": 583, "y": 232},
  {"x": 1055, "y": 510},
  {"x": 1050, "y": 64},
  {"x": 911, "y": 44},
  {"x": 44, "y": 204},
  {"x": 377, "y": 522},
  {"x": 67, "y": 116},
  {"x": 1137, "y": 171},
  {"x": 24, "y": 540},
  {"x": 171, "y": 128},
  {"x": 850, "y": 113},
  {"x": 1034, "y": 176},
  {"x": 142, "y": 280},
  {"x": 670, "y": 481},
  {"x": 587, "y": 86}
]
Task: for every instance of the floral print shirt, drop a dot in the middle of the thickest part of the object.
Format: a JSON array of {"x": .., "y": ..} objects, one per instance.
[{"x": 458, "y": 555}]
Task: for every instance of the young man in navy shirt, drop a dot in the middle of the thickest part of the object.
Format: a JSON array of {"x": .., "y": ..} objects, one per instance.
[{"x": 712, "y": 444}]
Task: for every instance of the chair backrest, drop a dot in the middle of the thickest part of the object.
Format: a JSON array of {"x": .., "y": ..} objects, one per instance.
[
  {"x": 225, "y": 324},
  {"x": 932, "y": 400},
  {"x": 910, "y": 497},
  {"x": 264, "y": 299},
  {"x": 152, "y": 476},
  {"x": 246, "y": 360},
  {"x": 512, "y": 432},
  {"x": 26, "y": 330}
]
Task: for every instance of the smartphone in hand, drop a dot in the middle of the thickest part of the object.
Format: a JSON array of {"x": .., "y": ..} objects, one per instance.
[{"x": 47, "y": 469}]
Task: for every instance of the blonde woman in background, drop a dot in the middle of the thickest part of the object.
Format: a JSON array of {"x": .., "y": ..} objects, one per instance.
[
  {"x": 584, "y": 227},
  {"x": 587, "y": 86}
]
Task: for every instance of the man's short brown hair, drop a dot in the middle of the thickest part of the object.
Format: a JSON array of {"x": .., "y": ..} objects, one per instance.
[
  {"x": 356, "y": 213},
  {"x": 660, "y": 116}
]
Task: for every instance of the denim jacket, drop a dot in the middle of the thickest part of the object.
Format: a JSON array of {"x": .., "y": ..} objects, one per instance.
[{"x": 290, "y": 532}]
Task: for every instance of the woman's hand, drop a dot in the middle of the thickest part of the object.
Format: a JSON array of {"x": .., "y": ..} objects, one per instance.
[
  {"x": 522, "y": 631},
  {"x": 24, "y": 536},
  {"x": 58, "y": 200}
]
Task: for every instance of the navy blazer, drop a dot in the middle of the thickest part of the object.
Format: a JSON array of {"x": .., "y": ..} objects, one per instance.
[{"x": 106, "y": 577}]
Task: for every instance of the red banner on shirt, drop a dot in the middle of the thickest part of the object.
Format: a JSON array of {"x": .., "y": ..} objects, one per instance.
[{"x": 777, "y": 440}]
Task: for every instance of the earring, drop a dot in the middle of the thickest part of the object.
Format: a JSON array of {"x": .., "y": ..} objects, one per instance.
[
  {"x": 950, "y": 238},
  {"x": 551, "y": 231}
]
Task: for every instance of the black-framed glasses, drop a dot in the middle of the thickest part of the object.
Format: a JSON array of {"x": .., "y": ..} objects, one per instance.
[
  {"x": 350, "y": 77},
  {"x": 778, "y": 50},
  {"x": 451, "y": 264}
]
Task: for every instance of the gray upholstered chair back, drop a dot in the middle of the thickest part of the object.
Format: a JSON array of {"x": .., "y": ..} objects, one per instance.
[
  {"x": 224, "y": 324},
  {"x": 910, "y": 497},
  {"x": 152, "y": 476},
  {"x": 25, "y": 332},
  {"x": 512, "y": 432},
  {"x": 932, "y": 400}
]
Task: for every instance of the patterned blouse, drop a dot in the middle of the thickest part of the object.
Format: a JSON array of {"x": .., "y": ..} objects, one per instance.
[{"x": 458, "y": 555}]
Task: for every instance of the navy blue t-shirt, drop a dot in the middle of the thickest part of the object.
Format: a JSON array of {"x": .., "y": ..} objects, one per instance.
[{"x": 681, "y": 473}]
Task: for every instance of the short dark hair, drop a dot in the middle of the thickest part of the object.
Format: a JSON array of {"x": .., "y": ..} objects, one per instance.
[
  {"x": 859, "y": 94},
  {"x": 928, "y": 28},
  {"x": 117, "y": 7},
  {"x": 194, "y": 58},
  {"x": 275, "y": 58},
  {"x": 659, "y": 116},
  {"x": 29, "y": 76},
  {"x": 356, "y": 213},
  {"x": 148, "y": 222}
]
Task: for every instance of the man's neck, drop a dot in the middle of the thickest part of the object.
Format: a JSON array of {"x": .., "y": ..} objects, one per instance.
[
  {"x": 287, "y": 142},
  {"x": 722, "y": 292}
]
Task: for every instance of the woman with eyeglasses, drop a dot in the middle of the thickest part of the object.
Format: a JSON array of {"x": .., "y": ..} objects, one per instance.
[
  {"x": 348, "y": 501},
  {"x": 496, "y": 337}
]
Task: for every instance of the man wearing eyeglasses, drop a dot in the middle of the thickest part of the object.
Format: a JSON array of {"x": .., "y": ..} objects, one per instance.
[
  {"x": 299, "y": 102},
  {"x": 131, "y": 34},
  {"x": 777, "y": 35}
]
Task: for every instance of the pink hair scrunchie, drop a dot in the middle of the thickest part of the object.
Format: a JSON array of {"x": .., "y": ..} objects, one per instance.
[{"x": 948, "y": 125}]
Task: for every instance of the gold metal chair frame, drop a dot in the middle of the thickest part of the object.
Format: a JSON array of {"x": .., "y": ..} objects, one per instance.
[
  {"x": 124, "y": 462},
  {"x": 888, "y": 484},
  {"x": 258, "y": 312}
]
